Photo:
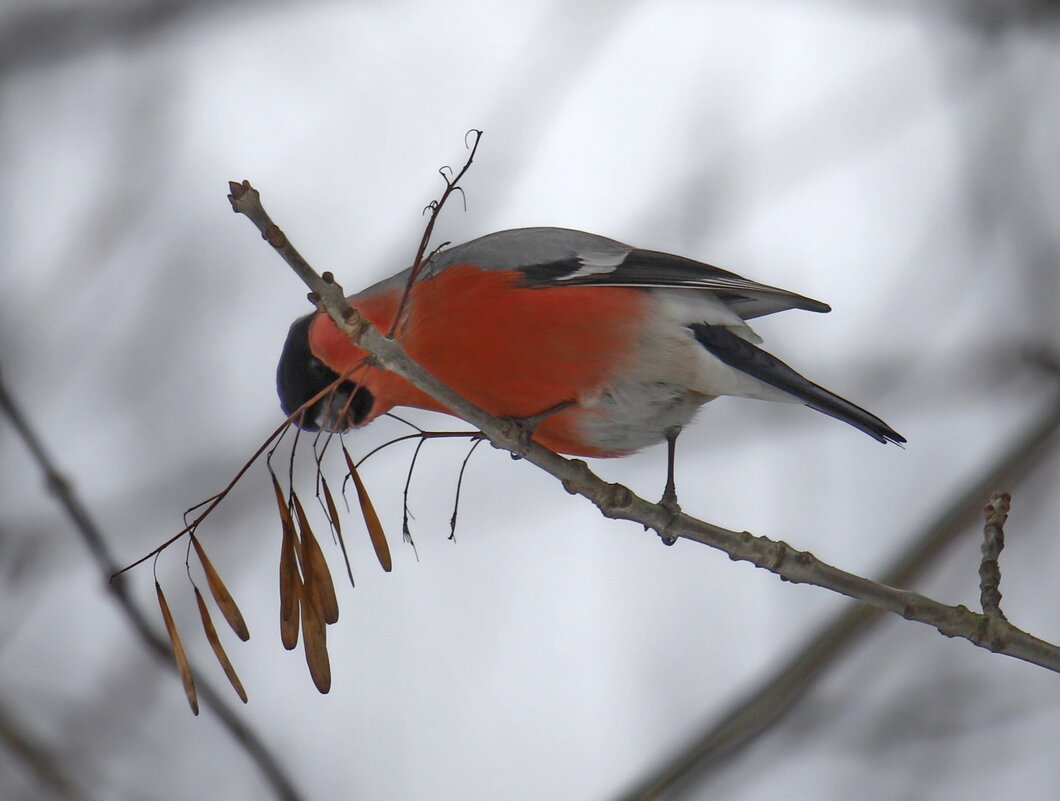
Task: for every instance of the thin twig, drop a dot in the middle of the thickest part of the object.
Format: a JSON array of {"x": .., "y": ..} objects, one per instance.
[
  {"x": 406, "y": 532},
  {"x": 210, "y": 504},
  {"x": 996, "y": 513},
  {"x": 243, "y": 734},
  {"x": 459, "y": 486},
  {"x": 617, "y": 501},
  {"x": 435, "y": 208}
]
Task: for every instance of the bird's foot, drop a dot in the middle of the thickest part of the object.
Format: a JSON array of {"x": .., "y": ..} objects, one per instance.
[{"x": 669, "y": 502}]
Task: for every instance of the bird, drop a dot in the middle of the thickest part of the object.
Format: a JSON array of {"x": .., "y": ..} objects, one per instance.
[{"x": 606, "y": 348}]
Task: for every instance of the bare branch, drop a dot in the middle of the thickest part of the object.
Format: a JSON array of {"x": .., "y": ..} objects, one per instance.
[{"x": 618, "y": 502}]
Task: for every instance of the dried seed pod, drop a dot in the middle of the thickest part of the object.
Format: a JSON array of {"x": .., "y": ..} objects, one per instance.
[
  {"x": 181, "y": 658},
  {"x": 334, "y": 515},
  {"x": 290, "y": 580},
  {"x": 316, "y": 576},
  {"x": 315, "y": 643},
  {"x": 371, "y": 519},
  {"x": 290, "y": 592},
  {"x": 218, "y": 649},
  {"x": 221, "y": 595},
  {"x": 281, "y": 503},
  {"x": 332, "y": 510}
]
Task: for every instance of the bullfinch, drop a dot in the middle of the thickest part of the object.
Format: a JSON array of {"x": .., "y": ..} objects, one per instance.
[{"x": 623, "y": 345}]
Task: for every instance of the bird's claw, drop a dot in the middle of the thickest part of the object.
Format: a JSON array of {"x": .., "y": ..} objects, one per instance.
[{"x": 670, "y": 504}]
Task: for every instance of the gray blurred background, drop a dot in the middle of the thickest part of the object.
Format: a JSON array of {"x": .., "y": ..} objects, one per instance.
[{"x": 897, "y": 160}]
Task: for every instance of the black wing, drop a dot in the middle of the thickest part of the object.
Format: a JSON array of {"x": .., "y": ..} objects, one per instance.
[{"x": 653, "y": 269}]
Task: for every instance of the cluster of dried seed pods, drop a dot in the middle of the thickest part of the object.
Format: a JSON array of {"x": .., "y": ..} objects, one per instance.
[
  {"x": 307, "y": 593},
  {"x": 308, "y": 603}
]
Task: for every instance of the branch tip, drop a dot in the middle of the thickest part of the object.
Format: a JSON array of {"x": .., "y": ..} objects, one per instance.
[
  {"x": 241, "y": 191},
  {"x": 473, "y": 145}
]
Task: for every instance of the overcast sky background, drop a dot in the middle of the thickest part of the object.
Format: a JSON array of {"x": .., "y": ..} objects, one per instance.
[{"x": 894, "y": 160}]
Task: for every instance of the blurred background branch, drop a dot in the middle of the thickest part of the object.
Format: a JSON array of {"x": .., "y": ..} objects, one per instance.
[
  {"x": 36, "y": 759},
  {"x": 36, "y": 34}
]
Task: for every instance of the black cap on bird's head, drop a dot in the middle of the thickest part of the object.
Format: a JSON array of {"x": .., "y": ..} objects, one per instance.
[{"x": 300, "y": 376}]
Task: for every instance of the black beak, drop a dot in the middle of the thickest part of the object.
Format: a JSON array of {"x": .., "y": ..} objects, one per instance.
[{"x": 300, "y": 375}]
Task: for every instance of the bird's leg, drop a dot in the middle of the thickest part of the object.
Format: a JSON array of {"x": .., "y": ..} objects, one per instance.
[
  {"x": 669, "y": 496},
  {"x": 525, "y": 426}
]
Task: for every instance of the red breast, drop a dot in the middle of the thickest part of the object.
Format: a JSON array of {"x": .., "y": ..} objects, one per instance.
[{"x": 510, "y": 349}]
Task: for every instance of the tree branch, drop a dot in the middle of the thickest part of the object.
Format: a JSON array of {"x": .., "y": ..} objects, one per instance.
[{"x": 618, "y": 502}]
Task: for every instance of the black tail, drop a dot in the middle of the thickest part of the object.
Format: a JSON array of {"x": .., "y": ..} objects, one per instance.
[{"x": 768, "y": 369}]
